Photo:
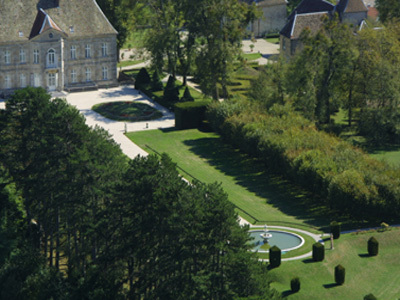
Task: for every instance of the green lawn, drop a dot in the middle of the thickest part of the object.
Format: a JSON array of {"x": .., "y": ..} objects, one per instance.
[
  {"x": 264, "y": 197},
  {"x": 379, "y": 275},
  {"x": 251, "y": 56},
  {"x": 128, "y": 63}
]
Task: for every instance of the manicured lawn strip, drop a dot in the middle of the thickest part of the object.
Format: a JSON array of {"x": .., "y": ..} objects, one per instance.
[
  {"x": 274, "y": 40},
  {"x": 307, "y": 247},
  {"x": 127, "y": 63},
  {"x": 268, "y": 198},
  {"x": 379, "y": 275},
  {"x": 391, "y": 155},
  {"x": 251, "y": 56}
]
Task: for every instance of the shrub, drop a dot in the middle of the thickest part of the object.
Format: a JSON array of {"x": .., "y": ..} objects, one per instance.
[
  {"x": 187, "y": 96},
  {"x": 335, "y": 229},
  {"x": 295, "y": 284},
  {"x": 171, "y": 91},
  {"x": 370, "y": 297},
  {"x": 142, "y": 80},
  {"x": 340, "y": 273},
  {"x": 156, "y": 84},
  {"x": 373, "y": 247},
  {"x": 318, "y": 252},
  {"x": 275, "y": 255},
  {"x": 190, "y": 114}
]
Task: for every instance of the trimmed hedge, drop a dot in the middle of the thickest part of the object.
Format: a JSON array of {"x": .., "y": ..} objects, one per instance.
[
  {"x": 295, "y": 285},
  {"x": 340, "y": 274},
  {"x": 370, "y": 297},
  {"x": 373, "y": 247},
  {"x": 335, "y": 229},
  {"x": 275, "y": 255},
  {"x": 190, "y": 114},
  {"x": 318, "y": 252},
  {"x": 350, "y": 180}
]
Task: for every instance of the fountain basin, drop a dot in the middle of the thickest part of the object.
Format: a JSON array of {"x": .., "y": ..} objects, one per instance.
[{"x": 286, "y": 241}]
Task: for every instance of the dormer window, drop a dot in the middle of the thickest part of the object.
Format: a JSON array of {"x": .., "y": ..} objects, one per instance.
[{"x": 20, "y": 34}]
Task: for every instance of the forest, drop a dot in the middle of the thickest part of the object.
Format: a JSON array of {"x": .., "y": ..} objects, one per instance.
[{"x": 79, "y": 220}]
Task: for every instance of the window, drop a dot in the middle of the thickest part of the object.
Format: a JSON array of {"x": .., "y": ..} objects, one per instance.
[
  {"x": 71, "y": 29},
  {"x": 88, "y": 74},
  {"x": 7, "y": 82},
  {"x": 73, "y": 76},
  {"x": 35, "y": 56},
  {"x": 22, "y": 56},
  {"x": 52, "y": 80},
  {"x": 105, "y": 73},
  {"x": 22, "y": 80},
  {"x": 87, "y": 51},
  {"x": 36, "y": 80},
  {"x": 104, "y": 49},
  {"x": 20, "y": 34},
  {"x": 7, "y": 57},
  {"x": 51, "y": 57},
  {"x": 73, "y": 52}
]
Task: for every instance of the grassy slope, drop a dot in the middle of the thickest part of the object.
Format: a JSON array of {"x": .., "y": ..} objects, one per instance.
[
  {"x": 206, "y": 157},
  {"x": 379, "y": 275}
]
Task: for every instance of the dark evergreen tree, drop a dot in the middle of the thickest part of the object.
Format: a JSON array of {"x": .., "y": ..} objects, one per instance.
[
  {"x": 187, "y": 96},
  {"x": 156, "y": 84},
  {"x": 171, "y": 91}
]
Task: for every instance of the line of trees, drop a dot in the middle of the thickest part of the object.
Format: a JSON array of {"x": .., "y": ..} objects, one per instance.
[
  {"x": 82, "y": 221},
  {"x": 344, "y": 177},
  {"x": 194, "y": 37},
  {"x": 340, "y": 69}
]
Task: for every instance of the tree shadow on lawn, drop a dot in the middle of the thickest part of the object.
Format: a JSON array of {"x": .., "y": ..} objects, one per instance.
[
  {"x": 330, "y": 285},
  {"x": 251, "y": 174}
]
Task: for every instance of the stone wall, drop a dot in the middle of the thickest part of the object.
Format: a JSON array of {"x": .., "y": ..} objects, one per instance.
[{"x": 272, "y": 21}]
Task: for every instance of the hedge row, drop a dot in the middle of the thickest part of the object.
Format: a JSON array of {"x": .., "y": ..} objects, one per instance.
[
  {"x": 348, "y": 178},
  {"x": 190, "y": 114}
]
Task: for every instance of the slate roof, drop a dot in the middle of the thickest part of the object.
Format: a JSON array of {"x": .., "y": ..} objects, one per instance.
[
  {"x": 350, "y": 6},
  {"x": 311, "y": 21},
  {"x": 311, "y": 6},
  {"x": 24, "y": 16},
  {"x": 43, "y": 22}
]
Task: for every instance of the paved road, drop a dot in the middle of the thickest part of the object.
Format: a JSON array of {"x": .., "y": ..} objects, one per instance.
[{"x": 85, "y": 100}]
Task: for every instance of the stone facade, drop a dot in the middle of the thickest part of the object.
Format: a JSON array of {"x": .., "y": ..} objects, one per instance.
[
  {"x": 273, "y": 18},
  {"x": 53, "y": 52},
  {"x": 309, "y": 14}
]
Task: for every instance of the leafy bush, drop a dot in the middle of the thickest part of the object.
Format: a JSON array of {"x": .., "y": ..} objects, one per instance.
[
  {"x": 190, "y": 114},
  {"x": 340, "y": 273},
  {"x": 275, "y": 255},
  {"x": 335, "y": 229},
  {"x": 187, "y": 97},
  {"x": 142, "y": 80},
  {"x": 318, "y": 252},
  {"x": 295, "y": 284},
  {"x": 370, "y": 297},
  {"x": 373, "y": 247}
]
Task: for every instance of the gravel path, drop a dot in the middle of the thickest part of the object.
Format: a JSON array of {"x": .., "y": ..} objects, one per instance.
[{"x": 85, "y": 100}]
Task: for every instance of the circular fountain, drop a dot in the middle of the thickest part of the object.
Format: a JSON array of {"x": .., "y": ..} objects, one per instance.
[
  {"x": 286, "y": 241},
  {"x": 265, "y": 235}
]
